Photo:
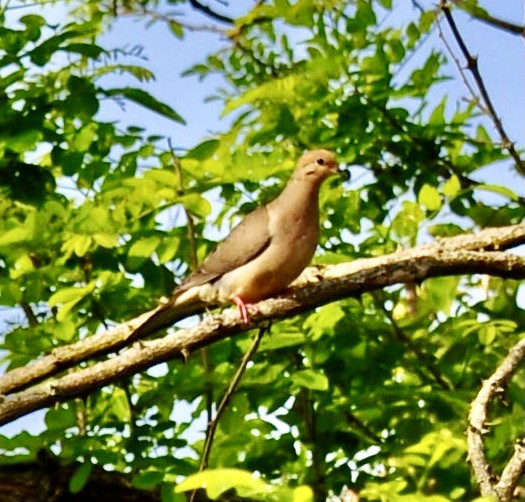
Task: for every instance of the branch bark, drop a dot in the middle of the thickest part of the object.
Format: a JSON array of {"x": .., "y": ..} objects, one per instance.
[
  {"x": 48, "y": 481},
  {"x": 464, "y": 254},
  {"x": 490, "y": 485}
]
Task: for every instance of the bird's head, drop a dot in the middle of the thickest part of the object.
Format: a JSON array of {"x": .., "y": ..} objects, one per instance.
[{"x": 319, "y": 165}]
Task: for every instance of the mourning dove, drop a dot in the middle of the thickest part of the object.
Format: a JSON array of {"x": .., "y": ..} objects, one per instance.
[{"x": 262, "y": 255}]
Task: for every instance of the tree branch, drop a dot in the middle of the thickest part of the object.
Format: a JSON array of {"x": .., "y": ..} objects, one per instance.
[
  {"x": 485, "y": 17},
  {"x": 422, "y": 356},
  {"x": 226, "y": 398},
  {"x": 487, "y": 480},
  {"x": 48, "y": 480},
  {"x": 211, "y": 13},
  {"x": 339, "y": 281},
  {"x": 472, "y": 65},
  {"x": 451, "y": 256}
]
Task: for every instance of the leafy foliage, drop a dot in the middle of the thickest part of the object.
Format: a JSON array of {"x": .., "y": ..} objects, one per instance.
[{"x": 370, "y": 392}]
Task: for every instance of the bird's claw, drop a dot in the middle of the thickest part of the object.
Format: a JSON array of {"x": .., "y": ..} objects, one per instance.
[{"x": 245, "y": 308}]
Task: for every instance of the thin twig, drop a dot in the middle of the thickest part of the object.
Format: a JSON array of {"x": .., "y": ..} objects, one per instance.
[
  {"x": 353, "y": 420},
  {"x": 489, "y": 484},
  {"x": 211, "y": 13},
  {"x": 422, "y": 356},
  {"x": 472, "y": 65},
  {"x": 32, "y": 319},
  {"x": 194, "y": 263},
  {"x": 459, "y": 66},
  {"x": 225, "y": 401},
  {"x": 165, "y": 18},
  {"x": 226, "y": 398},
  {"x": 485, "y": 17}
]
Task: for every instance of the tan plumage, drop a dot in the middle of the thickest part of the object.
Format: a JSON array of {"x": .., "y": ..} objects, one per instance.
[{"x": 263, "y": 254}]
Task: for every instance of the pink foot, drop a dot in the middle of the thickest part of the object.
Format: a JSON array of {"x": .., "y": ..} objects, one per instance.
[{"x": 244, "y": 308}]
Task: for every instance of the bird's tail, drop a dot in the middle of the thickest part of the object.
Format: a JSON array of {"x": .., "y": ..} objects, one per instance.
[{"x": 166, "y": 315}]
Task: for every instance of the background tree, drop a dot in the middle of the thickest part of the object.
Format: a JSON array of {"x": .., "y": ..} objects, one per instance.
[{"x": 362, "y": 388}]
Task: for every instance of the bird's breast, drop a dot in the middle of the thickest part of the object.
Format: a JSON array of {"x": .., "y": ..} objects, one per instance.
[{"x": 291, "y": 249}]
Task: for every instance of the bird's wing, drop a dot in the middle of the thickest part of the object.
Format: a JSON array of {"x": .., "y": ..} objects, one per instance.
[{"x": 245, "y": 242}]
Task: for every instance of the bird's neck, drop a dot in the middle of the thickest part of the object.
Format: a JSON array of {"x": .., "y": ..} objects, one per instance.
[{"x": 300, "y": 198}]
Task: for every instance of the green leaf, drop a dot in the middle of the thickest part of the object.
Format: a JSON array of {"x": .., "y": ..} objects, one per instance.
[
  {"x": 301, "y": 13},
  {"x": 145, "y": 247},
  {"x": 80, "y": 477},
  {"x": 217, "y": 481},
  {"x": 282, "y": 90},
  {"x": 24, "y": 141},
  {"x": 91, "y": 51},
  {"x": 406, "y": 223},
  {"x": 81, "y": 244},
  {"x": 42, "y": 53},
  {"x": 167, "y": 249},
  {"x": 203, "y": 150},
  {"x": 106, "y": 240},
  {"x": 303, "y": 494},
  {"x": 437, "y": 117},
  {"x": 148, "y": 480},
  {"x": 16, "y": 236},
  {"x": 427, "y": 20},
  {"x": 365, "y": 13},
  {"x": 499, "y": 189},
  {"x": 176, "y": 29},
  {"x": 445, "y": 230},
  {"x": 166, "y": 177},
  {"x": 196, "y": 204},
  {"x": 65, "y": 331},
  {"x": 440, "y": 293},
  {"x": 487, "y": 334},
  {"x": 147, "y": 100},
  {"x": 282, "y": 340},
  {"x": 68, "y": 295},
  {"x": 60, "y": 418},
  {"x": 33, "y": 20},
  {"x": 482, "y": 135},
  {"x": 429, "y": 197},
  {"x": 168, "y": 494},
  {"x": 139, "y": 72},
  {"x": 310, "y": 379},
  {"x": 82, "y": 140},
  {"x": 82, "y": 100},
  {"x": 451, "y": 187}
]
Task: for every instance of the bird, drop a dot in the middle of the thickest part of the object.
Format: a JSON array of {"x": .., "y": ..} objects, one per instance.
[{"x": 262, "y": 255}]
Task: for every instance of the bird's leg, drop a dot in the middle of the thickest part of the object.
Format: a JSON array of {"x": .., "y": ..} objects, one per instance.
[{"x": 244, "y": 308}]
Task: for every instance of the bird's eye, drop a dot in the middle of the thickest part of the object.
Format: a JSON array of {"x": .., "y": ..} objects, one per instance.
[{"x": 320, "y": 161}]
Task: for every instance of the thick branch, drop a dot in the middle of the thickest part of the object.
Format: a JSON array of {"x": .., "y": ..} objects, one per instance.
[
  {"x": 447, "y": 257},
  {"x": 48, "y": 481},
  {"x": 345, "y": 279},
  {"x": 487, "y": 480}
]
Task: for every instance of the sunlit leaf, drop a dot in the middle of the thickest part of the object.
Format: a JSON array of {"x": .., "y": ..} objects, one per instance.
[
  {"x": 429, "y": 197},
  {"x": 218, "y": 481}
]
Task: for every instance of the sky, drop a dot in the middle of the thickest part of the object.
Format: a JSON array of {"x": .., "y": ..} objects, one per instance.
[{"x": 501, "y": 62}]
